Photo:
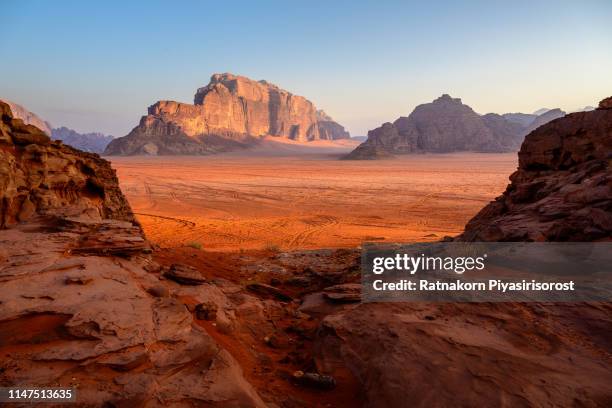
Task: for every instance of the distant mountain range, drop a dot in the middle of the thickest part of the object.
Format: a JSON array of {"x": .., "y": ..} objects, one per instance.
[
  {"x": 231, "y": 112},
  {"x": 447, "y": 125},
  {"x": 89, "y": 142}
]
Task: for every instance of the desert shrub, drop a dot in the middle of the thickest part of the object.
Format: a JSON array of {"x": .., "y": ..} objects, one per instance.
[{"x": 195, "y": 245}]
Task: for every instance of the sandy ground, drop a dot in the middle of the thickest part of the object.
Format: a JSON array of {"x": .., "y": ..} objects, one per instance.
[{"x": 246, "y": 201}]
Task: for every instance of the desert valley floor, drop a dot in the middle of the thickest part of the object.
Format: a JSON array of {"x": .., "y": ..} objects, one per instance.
[{"x": 237, "y": 202}]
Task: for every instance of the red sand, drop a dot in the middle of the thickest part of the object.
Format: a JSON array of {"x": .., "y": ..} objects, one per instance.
[{"x": 233, "y": 202}]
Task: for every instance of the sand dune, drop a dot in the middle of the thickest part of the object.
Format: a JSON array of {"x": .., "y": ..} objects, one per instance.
[{"x": 232, "y": 202}]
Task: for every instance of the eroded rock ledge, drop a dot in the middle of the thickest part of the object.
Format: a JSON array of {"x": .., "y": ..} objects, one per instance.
[
  {"x": 562, "y": 190},
  {"x": 81, "y": 302}
]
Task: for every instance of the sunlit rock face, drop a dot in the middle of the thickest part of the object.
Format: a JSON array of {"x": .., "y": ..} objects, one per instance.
[{"x": 231, "y": 112}]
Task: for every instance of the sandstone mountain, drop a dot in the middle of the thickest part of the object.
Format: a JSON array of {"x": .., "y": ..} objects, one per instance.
[
  {"x": 89, "y": 142},
  {"x": 447, "y": 125},
  {"x": 83, "y": 304},
  {"x": 28, "y": 117},
  {"x": 231, "y": 112},
  {"x": 562, "y": 190}
]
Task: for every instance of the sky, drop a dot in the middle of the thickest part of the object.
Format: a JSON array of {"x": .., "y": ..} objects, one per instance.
[{"x": 97, "y": 66}]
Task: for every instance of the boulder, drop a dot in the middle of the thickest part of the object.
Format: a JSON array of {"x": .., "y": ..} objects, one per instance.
[{"x": 184, "y": 274}]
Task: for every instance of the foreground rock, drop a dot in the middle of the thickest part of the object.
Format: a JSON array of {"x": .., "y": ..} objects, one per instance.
[
  {"x": 470, "y": 354},
  {"x": 562, "y": 190},
  {"x": 80, "y": 305},
  {"x": 447, "y": 125},
  {"x": 231, "y": 112},
  {"x": 185, "y": 275}
]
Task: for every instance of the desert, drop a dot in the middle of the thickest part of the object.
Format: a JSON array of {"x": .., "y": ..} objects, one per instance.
[
  {"x": 301, "y": 205},
  {"x": 312, "y": 201}
]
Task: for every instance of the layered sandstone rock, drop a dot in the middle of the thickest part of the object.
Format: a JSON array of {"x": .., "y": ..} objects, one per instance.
[
  {"x": 448, "y": 125},
  {"x": 41, "y": 177},
  {"x": 231, "y": 112},
  {"x": 454, "y": 354},
  {"x": 82, "y": 303},
  {"x": 562, "y": 190}
]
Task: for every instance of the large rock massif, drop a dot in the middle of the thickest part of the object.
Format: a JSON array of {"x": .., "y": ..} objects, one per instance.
[
  {"x": 93, "y": 142},
  {"x": 562, "y": 190},
  {"x": 231, "y": 112},
  {"x": 82, "y": 304},
  {"x": 447, "y": 125}
]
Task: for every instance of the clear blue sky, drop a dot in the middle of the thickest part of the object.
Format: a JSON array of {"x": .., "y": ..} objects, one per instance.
[{"x": 96, "y": 66}]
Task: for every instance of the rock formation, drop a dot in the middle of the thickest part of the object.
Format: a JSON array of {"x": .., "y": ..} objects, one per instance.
[
  {"x": 89, "y": 142},
  {"x": 448, "y": 125},
  {"x": 40, "y": 177},
  {"x": 464, "y": 354},
  {"x": 562, "y": 190},
  {"x": 28, "y": 117},
  {"x": 83, "y": 305},
  {"x": 231, "y": 112}
]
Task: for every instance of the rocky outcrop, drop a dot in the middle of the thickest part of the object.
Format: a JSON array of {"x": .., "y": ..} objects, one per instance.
[
  {"x": 83, "y": 304},
  {"x": 88, "y": 142},
  {"x": 41, "y": 177},
  {"x": 562, "y": 190},
  {"x": 448, "y": 125},
  {"x": 500, "y": 353},
  {"x": 458, "y": 354},
  {"x": 231, "y": 112},
  {"x": 28, "y": 117}
]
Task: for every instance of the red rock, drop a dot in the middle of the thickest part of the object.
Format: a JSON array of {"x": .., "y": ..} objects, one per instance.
[
  {"x": 74, "y": 290},
  {"x": 562, "y": 190},
  {"x": 38, "y": 177}
]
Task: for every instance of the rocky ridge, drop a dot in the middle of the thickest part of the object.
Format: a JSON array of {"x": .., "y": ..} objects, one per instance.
[
  {"x": 447, "y": 125},
  {"x": 230, "y": 113},
  {"x": 562, "y": 190}
]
